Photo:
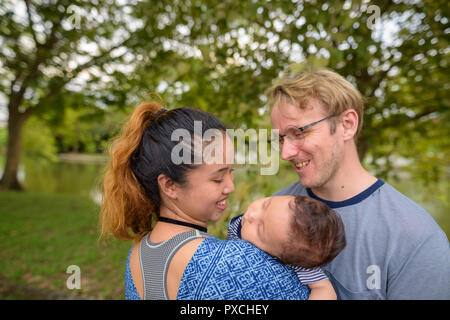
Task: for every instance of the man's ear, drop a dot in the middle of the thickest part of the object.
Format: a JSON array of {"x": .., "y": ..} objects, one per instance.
[
  {"x": 349, "y": 122},
  {"x": 167, "y": 186}
]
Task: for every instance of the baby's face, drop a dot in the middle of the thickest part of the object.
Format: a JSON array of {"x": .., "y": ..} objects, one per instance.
[{"x": 266, "y": 223}]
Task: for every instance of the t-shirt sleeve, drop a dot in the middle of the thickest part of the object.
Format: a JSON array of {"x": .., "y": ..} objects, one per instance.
[
  {"x": 425, "y": 274},
  {"x": 307, "y": 276},
  {"x": 234, "y": 227}
]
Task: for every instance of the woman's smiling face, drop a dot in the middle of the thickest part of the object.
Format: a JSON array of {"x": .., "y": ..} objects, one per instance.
[{"x": 204, "y": 196}]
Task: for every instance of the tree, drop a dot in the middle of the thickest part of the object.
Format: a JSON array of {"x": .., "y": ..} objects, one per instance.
[
  {"x": 395, "y": 53},
  {"x": 222, "y": 55},
  {"x": 50, "y": 51},
  {"x": 61, "y": 54}
]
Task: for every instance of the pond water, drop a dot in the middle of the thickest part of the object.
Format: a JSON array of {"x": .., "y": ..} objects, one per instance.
[{"x": 85, "y": 179}]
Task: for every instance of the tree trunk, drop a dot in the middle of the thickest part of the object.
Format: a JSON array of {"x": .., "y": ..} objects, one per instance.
[{"x": 10, "y": 179}]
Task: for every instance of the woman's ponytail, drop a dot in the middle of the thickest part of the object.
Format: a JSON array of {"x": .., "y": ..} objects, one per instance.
[{"x": 126, "y": 212}]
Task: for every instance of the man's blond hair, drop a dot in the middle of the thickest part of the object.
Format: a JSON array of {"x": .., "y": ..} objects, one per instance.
[{"x": 335, "y": 93}]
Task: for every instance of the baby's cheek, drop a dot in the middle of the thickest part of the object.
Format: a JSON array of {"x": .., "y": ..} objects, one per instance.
[
  {"x": 248, "y": 234},
  {"x": 271, "y": 248},
  {"x": 244, "y": 234},
  {"x": 267, "y": 246}
]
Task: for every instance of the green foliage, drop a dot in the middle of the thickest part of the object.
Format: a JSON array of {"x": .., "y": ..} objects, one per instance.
[
  {"x": 86, "y": 129},
  {"x": 221, "y": 56},
  {"x": 38, "y": 141},
  {"x": 403, "y": 74}
]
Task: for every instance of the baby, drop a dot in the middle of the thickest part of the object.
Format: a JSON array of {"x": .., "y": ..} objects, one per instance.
[{"x": 300, "y": 231}]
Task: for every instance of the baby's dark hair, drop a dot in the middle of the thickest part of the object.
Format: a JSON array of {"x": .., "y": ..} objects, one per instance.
[{"x": 316, "y": 236}]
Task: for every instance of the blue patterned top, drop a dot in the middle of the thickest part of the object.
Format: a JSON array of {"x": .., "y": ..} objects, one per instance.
[
  {"x": 232, "y": 270},
  {"x": 130, "y": 289},
  {"x": 306, "y": 276}
]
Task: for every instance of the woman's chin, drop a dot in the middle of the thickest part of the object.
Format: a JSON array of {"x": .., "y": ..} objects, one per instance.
[{"x": 216, "y": 217}]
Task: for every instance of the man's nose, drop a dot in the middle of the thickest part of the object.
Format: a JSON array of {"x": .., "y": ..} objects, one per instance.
[{"x": 288, "y": 150}]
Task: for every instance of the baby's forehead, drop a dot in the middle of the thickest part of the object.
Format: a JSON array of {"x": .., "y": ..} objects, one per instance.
[{"x": 289, "y": 216}]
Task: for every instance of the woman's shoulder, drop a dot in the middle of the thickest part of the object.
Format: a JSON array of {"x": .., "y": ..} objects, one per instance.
[
  {"x": 230, "y": 248},
  {"x": 182, "y": 246},
  {"x": 236, "y": 269},
  {"x": 131, "y": 292},
  {"x": 234, "y": 247}
]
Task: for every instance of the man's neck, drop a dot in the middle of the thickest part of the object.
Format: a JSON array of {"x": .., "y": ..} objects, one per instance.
[{"x": 350, "y": 180}]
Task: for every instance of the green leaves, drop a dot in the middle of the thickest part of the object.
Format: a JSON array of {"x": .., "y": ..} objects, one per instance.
[{"x": 222, "y": 55}]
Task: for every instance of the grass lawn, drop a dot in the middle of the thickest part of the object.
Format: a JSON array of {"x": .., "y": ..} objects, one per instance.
[{"x": 42, "y": 234}]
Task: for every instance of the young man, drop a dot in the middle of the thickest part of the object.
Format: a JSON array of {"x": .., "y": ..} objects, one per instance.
[{"x": 395, "y": 250}]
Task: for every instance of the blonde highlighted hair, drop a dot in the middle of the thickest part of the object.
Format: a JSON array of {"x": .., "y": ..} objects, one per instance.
[
  {"x": 335, "y": 93},
  {"x": 126, "y": 212}
]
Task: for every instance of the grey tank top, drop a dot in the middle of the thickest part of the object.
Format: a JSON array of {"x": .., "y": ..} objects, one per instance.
[{"x": 155, "y": 260}]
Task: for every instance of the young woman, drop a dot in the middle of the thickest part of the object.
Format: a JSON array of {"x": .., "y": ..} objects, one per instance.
[{"x": 164, "y": 206}]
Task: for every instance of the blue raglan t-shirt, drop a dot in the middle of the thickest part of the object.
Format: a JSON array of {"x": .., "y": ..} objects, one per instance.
[{"x": 395, "y": 250}]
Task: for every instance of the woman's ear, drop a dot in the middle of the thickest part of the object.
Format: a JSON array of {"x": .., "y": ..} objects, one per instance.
[
  {"x": 167, "y": 186},
  {"x": 349, "y": 121}
]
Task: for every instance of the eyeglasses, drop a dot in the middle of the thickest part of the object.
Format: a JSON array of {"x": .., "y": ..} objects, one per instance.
[{"x": 296, "y": 135}]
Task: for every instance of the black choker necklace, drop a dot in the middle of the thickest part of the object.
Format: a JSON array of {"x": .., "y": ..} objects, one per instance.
[{"x": 182, "y": 223}]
